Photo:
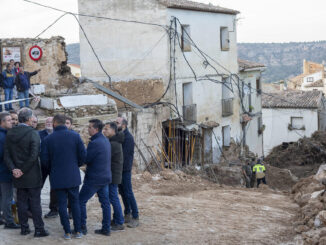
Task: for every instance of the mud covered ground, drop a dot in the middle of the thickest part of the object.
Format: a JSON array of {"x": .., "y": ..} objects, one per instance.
[{"x": 176, "y": 208}]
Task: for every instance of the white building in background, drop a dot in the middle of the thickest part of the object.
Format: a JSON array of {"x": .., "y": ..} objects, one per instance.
[
  {"x": 75, "y": 70},
  {"x": 291, "y": 115},
  {"x": 251, "y": 74},
  {"x": 312, "y": 78},
  {"x": 143, "y": 55}
]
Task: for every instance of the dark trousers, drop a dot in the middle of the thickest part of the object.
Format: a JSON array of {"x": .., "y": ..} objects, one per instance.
[
  {"x": 127, "y": 195},
  {"x": 115, "y": 202},
  {"x": 30, "y": 197},
  {"x": 8, "y": 96},
  {"x": 252, "y": 181},
  {"x": 86, "y": 193},
  {"x": 71, "y": 194},
  {"x": 6, "y": 201},
  {"x": 0, "y": 205},
  {"x": 53, "y": 205},
  {"x": 261, "y": 180},
  {"x": 247, "y": 179}
]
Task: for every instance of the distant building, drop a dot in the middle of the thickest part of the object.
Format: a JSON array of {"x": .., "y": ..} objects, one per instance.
[
  {"x": 312, "y": 78},
  {"x": 75, "y": 69},
  {"x": 291, "y": 115},
  {"x": 251, "y": 74}
]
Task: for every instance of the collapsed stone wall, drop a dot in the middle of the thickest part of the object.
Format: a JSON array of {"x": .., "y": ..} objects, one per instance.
[
  {"x": 84, "y": 111},
  {"x": 54, "y": 74},
  {"x": 309, "y": 194}
]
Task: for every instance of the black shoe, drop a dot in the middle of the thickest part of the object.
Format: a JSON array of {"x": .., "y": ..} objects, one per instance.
[
  {"x": 41, "y": 233},
  {"x": 102, "y": 232},
  {"x": 133, "y": 223},
  {"x": 25, "y": 231},
  {"x": 116, "y": 227},
  {"x": 51, "y": 214},
  {"x": 84, "y": 230},
  {"x": 12, "y": 226}
]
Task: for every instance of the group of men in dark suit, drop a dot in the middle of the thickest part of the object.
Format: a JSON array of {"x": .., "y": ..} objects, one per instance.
[{"x": 58, "y": 152}]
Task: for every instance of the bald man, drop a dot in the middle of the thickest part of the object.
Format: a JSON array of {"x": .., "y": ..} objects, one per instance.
[
  {"x": 35, "y": 121},
  {"x": 48, "y": 128}
]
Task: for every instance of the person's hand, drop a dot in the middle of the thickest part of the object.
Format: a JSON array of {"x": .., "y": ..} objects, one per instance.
[
  {"x": 17, "y": 173},
  {"x": 38, "y": 70}
]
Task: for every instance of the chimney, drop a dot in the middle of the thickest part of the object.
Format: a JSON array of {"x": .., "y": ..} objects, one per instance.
[
  {"x": 282, "y": 87},
  {"x": 305, "y": 67}
]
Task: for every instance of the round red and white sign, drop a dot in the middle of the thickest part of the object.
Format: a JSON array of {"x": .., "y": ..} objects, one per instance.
[{"x": 35, "y": 53}]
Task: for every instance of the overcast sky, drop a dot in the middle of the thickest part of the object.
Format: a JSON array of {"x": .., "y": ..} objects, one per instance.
[{"x": 259, "y": 21}]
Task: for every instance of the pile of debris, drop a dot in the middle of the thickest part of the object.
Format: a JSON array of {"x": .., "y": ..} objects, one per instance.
[
  {"x": 303, "y": 157},
  {"x": 280, "y": 179},
  {"x": 169, "y": 183},
  {"x": 309, "y": 194}
]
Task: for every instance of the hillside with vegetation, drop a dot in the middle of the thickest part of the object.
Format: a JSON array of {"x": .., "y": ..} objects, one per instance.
[{"x": 283, "y": 60}]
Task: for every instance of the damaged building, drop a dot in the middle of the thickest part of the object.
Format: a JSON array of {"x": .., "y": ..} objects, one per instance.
[
  {"x": 59, "y": 90},
  {"x": 54, "y": 75},
  {"x": 178, "y": 60}
]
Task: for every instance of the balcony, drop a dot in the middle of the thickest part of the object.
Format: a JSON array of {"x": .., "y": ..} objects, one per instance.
[
  {"x": 190, "y": 113},
  {"x": 227, "y": 107}
]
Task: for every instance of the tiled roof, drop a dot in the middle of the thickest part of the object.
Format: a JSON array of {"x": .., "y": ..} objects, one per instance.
[
  {"x": 190, "y": 5},
  {"x": 318, "y": 83},
  {"x": 246, "y": 64},
  {"x": 292, "y": 99}
]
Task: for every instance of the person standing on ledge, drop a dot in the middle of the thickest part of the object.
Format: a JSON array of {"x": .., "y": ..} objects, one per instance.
[{"x": 23, "y": 85}]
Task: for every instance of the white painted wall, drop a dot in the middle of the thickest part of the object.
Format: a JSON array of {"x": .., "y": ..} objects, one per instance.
[
  {"x": 126, "y": 49},
  {"x": 316, "y": 76},
  {"x": 253, "y": 140},
  {"x": 207, "y": 95},
  {"x": 277, "y": 122},
  {"x": 205, "y": 32}
]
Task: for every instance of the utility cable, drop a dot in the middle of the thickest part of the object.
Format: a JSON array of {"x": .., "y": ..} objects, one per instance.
[
  {"x": 94, "y": 16},
  {"x": 51, "y": 25}
]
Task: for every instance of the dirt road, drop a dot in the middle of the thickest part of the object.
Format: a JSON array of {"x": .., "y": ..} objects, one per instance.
[{"x": 181, "y": 209}]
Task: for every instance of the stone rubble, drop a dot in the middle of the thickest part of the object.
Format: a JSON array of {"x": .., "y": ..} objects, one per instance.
[{"x": 309, "y": 194}]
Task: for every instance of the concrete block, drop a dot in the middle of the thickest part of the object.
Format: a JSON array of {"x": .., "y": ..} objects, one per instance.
[
  {"x": 76, "y": 101},
  {"x": 38, "y": 89},
  {"x": 83, "y": 100},
  {"x": 49, "y": 103}
]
